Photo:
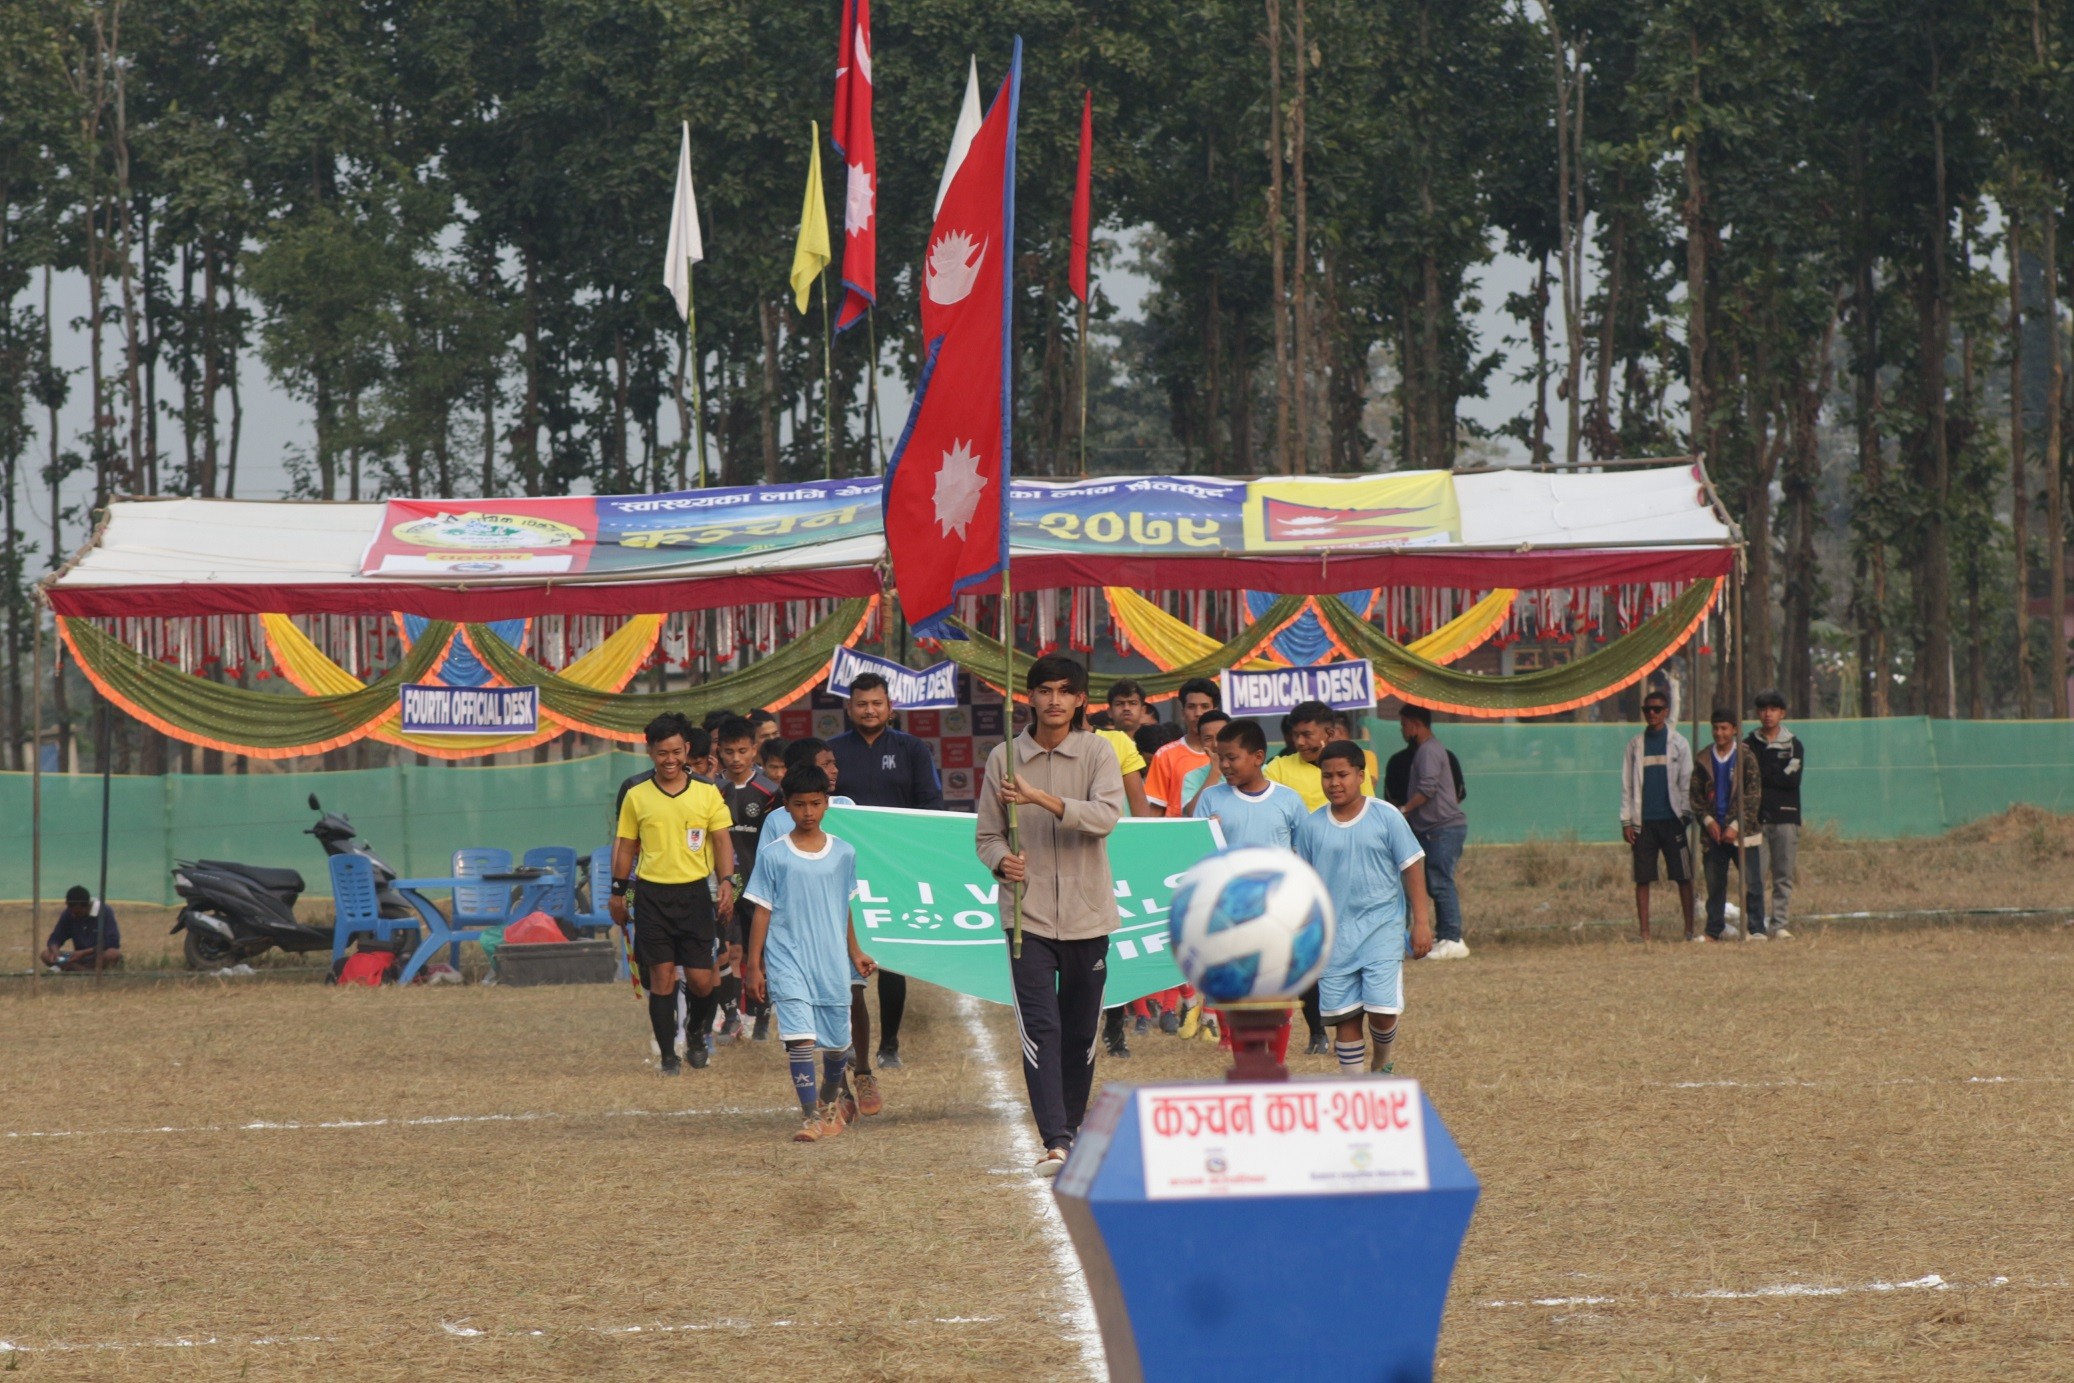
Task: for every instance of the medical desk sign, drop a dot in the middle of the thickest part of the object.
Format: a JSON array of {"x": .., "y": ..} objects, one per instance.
[
  {"x": 429, "y": 710},
  {"x": 1348, "y": 686}
]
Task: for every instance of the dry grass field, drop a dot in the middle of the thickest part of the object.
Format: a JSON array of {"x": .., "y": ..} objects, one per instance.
[{"x": 1843, "y": 1156}]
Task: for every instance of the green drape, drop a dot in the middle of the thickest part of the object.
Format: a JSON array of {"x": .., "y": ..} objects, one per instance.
[
  {"x": 236, "y": 718},
  {"x": 984, "y": 657},
  {"x": 770, "y": 681},
  {"x": 1594, "y": 677}
]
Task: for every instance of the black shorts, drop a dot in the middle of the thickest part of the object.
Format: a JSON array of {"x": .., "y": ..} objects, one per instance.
[
  {"x": 674, "y": 924},
  {"x": 738, "y": 924},
  {"x": 1668, "y": 839}
]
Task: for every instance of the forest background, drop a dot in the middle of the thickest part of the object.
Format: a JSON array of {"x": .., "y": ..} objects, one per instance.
[{"x": 1818, "y": 242}]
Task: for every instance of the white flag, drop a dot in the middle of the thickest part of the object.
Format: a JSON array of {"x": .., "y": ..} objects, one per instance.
[
  {"x": 686, "y": 247},
  {"x": 961, "y": 137}
]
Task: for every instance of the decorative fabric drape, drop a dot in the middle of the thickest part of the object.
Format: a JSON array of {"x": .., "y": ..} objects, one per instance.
[{"x": 1617, "y": 666}]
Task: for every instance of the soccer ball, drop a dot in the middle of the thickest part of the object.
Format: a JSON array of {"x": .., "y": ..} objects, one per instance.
[{"x": 1251, "y": 924}]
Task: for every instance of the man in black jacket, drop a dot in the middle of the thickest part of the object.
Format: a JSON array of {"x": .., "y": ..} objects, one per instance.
[
  {"x": 878, "y": 766},
  {"x": 1780, "y": 759}
]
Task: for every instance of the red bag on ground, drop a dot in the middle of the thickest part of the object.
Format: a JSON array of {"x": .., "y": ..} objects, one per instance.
[
  {"x": 371, "y": 968},
  {"x": 533, "y": 929}
]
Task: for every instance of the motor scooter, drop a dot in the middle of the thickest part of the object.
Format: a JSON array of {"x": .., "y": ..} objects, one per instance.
[{"x": 233, "y": 912}]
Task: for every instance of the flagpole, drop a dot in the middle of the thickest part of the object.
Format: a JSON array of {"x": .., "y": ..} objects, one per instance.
[
  {"x": 1015, "y": 840},
  {"x": 1083, "y": 388},
  {"x": 878, "y": 428},
  {"x": 698, "y": 398},
  {"x": 827, "y": 385}
]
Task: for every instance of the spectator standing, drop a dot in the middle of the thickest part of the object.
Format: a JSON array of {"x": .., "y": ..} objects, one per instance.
[
  {"x": 1312, "y": 726},
  {"x": 1725, "y": 795},
  {"x": 1071, "y": 796},
  {"x": 1433, "y": 807},
  {"x": 1175, "y": 759},
  {"x": 883, "y": 767},
  {"x": 87, "y": 925},
  {"x": 1131, "y": 713},
  {"x": 1780, "y": 759},
  {"x": 1653, "y": 812}
]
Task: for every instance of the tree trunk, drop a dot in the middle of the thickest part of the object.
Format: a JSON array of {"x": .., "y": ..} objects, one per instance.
[
  {"x": 1870, "y": 600},
  {"x": 1569, "y": 120},
  {"x": 2019, "y": 498},
  {"x": 767, "y": 316},
  {"x": 1803, "y": 573},
  {"x": 237, "y": 400},
  {"x": 1695, "y": 217},
  {"x": 1604, "y": 441},
  {"x": 1278, "y": 276},
  {"x": 527, "y": 437},
  {"x": 55, "y": 475},
  {"x": 212, "y": 379},
  {"x": 1537, "y": 331},
  {"x": 2055, "y": 481},
  {"x": 1932, "y": 578}
]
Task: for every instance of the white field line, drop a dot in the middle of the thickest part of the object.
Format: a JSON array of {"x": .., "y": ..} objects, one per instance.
[
  {"x": 455, "y": 1330},
  {"x": 1856, "y": 1084},
  {"x": 1080, "y": 1317},
  {"x": 1930, "y": 1282},
  {"x": 421, "y": 1121}
]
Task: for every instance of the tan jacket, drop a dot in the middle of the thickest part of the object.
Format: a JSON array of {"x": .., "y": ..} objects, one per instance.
[{"x": 1068, "y": 893}]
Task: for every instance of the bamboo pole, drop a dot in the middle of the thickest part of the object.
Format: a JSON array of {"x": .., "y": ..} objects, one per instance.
[
  {"x": 1083, "y": 388},
  {"x": 698, "y": 398},
  {"x": 871, "y": 384},
  {"x": 35, "y": 788},
  {"x": 107, "y": 789}
]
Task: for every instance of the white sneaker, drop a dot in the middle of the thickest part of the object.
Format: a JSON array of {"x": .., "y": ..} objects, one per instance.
[
  {"x": 1448, "y": 950},
  {"x": 1782, "y": 934},
  {"x": 1756, "y": 936}
]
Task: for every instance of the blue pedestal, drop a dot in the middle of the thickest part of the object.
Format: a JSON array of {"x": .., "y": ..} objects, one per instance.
[{"x": 1347, "y": 1287}]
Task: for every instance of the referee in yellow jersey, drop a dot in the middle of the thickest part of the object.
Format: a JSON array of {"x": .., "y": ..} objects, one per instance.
[{"x": 677, "y": 827}]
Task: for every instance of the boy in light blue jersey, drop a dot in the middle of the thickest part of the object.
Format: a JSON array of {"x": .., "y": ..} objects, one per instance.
[
  {"x": 1372, "y": 865},
  {"x": 803, "y": 951},
  {"x": 1249, "y": 809},
  {"x": 808, "y": 751}
]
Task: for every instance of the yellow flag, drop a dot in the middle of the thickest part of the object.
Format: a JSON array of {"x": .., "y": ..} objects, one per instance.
[{"x": 810, "y": 256}]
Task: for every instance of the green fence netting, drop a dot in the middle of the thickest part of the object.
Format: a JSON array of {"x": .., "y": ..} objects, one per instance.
[
  {"x": 1594, "y": 677},
  {"x": 983, "y": 657},
  {"x": 1875, "y": 779},
  {"x": 770, "y": 681}
]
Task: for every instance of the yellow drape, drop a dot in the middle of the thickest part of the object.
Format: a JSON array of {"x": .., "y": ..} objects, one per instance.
[
  {"x": 608, "y": 667},
  {"x": 1169, "y": 642}
]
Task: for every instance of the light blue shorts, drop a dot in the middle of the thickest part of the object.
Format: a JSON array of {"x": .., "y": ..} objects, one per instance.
[
  {"x": 827, "y": 1024},
  {"x": 1372, "y": 979}
]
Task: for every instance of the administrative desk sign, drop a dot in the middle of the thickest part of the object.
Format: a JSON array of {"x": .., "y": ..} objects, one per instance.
[
  {"x": 1348, "y": 686},
  {"x": 934, "y": 688},
  {"x": 429, "y": 710},
  {"x": 1300, "y": 1138}
]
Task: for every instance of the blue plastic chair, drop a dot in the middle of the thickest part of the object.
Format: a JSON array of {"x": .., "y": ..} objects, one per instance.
[
  {"x": 479, "y": 906},
  {"x": 560, "y": 903},
  {"x": 357, "y": 905},
  {"x": 599, "y": 915}
]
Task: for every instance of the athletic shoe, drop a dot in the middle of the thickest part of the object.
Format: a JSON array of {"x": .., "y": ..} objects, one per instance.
[
  {"x": 1755, "y": 936},
  {"x": 673, "y": 1067},
  {"x": 1141, "y": 1025},
  {"x": 762, "y": 1031},
  {"x": 809, "y": 1129},
  {"x": 832, "y": 1120},
  {"x": 1448, "y": 950},
  {"x": 1318, "y": 1046},
  {"x": 1117, "y": 1047},
  {"x": 1212, "y": 1031},
  {"x": 1169, "y": 1022},
  {"x": 698, "y": 1056},
  {"x": 846, "y": 1105},
  {"x": 1388, "y": 1068},
  {"x": 889, "y": 1060},
  {"x": 1699, "y": 938},
  {"x": 1049, "y": 1164},
  {"x": 731, "y": 1028},
  {"x": 1191, "y": 1017},
  {"x": 869, "y": 1100},
  {"x": 1781, "y": 934}
]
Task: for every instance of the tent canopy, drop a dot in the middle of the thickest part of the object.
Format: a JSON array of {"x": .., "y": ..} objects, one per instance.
[{"x": 479, "y": 560}]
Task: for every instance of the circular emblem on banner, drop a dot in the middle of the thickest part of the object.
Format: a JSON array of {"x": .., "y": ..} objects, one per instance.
[{"x": 486, "y": 532}]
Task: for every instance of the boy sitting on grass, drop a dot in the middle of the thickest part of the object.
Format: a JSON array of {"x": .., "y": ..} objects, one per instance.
[
  {"x": 1371, "y": 863},
  {"x": 802, "y": 950}
]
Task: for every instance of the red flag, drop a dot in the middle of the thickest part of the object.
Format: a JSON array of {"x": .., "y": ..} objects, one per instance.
[
  {"x": 850, "y": 132},
  {"x": 945, "y": 516},
  {"x": 1083, "y": 198}
]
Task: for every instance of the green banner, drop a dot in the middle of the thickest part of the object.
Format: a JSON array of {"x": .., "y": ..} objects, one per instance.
[{"x": 927, "y": 909}]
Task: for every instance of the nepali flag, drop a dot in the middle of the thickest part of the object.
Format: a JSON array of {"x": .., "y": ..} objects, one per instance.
[
  {"x": 946, "y": 514},
  {"x": 850, "y": 132}
]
